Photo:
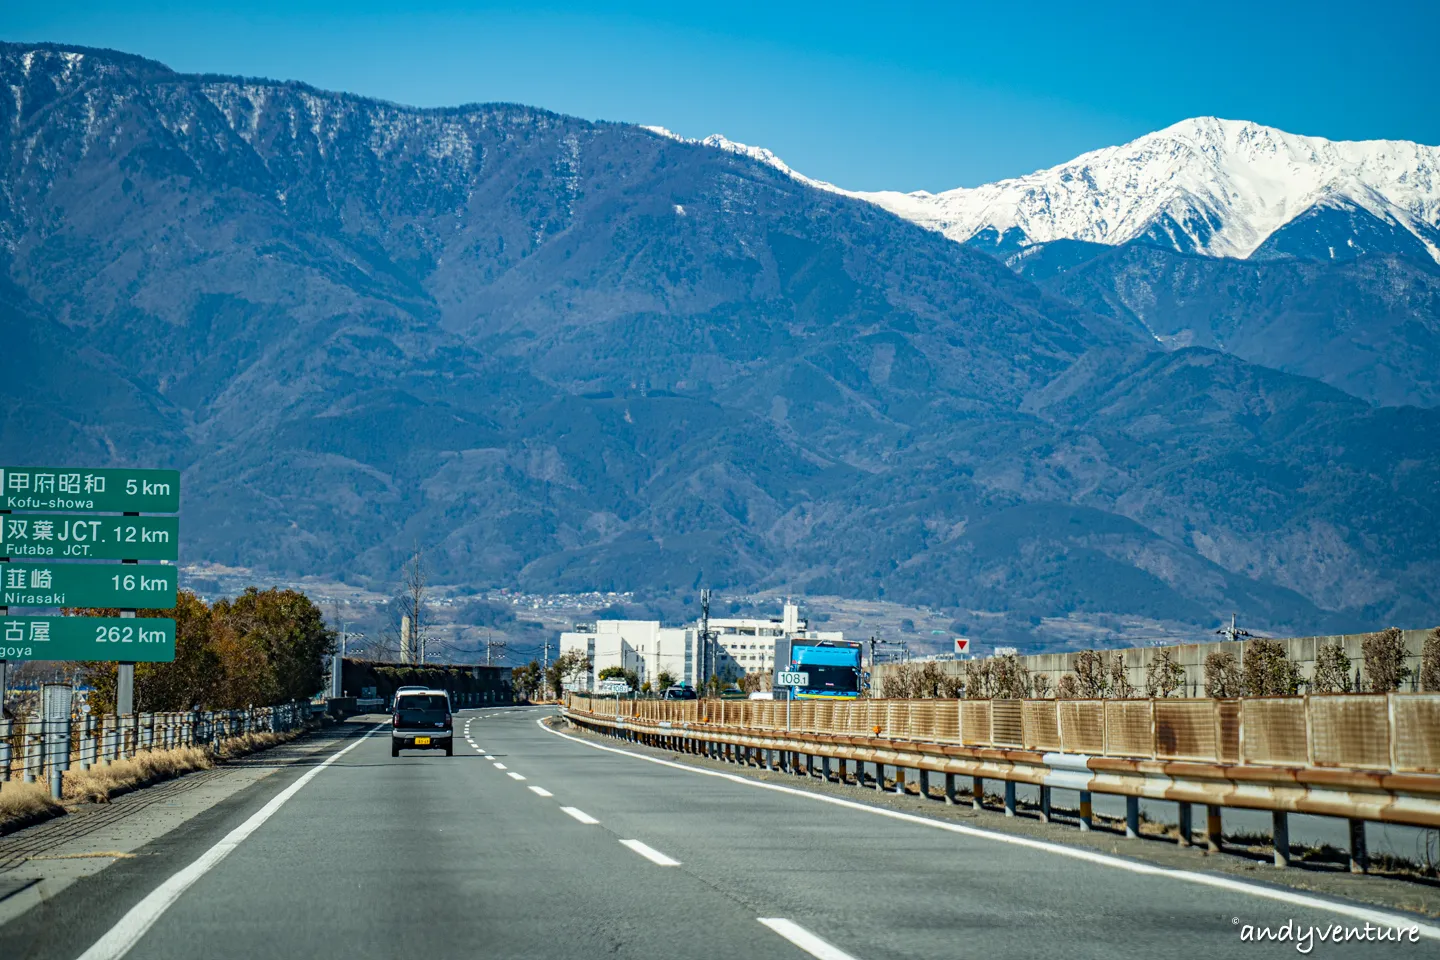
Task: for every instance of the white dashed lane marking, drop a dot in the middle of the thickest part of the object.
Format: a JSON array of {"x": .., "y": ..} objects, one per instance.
[
  {"x": 804, "y": 939},
  {"x": 541, "y": 792},
  {"x": 515, "y": 776},
  {"x": 650, "y": 853},
  {"x": 579, "y": 814}
]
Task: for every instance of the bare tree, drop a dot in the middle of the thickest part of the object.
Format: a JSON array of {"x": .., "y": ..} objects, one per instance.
[
  {"x": 979, "y": 679},
  {"x": 1163, "y": 676},
  {"x": 1091, "y": 680},
  {"x": 1010, "y": 678},
  {"x": 1223, "y": 678},
  {"x": 1120, "y": 686}
]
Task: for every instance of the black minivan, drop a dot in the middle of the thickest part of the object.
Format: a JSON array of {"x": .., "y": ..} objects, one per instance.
[{"x": 421, "y": 722}]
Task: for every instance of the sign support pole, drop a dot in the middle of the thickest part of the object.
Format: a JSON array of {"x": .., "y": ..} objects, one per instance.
[
  {"x": 125, "y": 672},
  {"x": 4, "y": 612}
]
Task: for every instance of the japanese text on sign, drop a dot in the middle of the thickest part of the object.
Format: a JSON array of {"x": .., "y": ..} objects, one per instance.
[{"x": 111, "y": 490}]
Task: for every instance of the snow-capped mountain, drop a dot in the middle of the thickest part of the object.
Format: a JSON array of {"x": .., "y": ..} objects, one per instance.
[{"x": 1224, "y": 188}]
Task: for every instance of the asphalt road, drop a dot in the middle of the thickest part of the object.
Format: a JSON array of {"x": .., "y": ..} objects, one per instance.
[{"x": 534, "y": 845}]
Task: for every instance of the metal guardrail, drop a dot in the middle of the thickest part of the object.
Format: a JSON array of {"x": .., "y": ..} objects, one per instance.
[
  {"x": 1363, "y": 757},
  {"x": 36, "y": 749}
]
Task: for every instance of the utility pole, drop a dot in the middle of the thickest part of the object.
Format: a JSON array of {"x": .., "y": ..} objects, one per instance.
[
  {"x": 491, "y": 643},
  {"x": 125, "y": 671},
  {"x": 4, "y": 611},
  {"x": 707, "y": 648}
]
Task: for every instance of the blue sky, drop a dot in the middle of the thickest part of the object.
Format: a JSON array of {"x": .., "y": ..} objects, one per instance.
[{"x": 897, "y": 95}]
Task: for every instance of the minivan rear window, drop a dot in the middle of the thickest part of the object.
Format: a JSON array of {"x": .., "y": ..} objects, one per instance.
[{"x": 426, "y": 702}]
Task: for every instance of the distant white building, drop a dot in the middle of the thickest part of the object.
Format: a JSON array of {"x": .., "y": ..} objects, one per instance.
[
  {"x": 639, "y": 645},
  {"x": 741, "y": 645}
]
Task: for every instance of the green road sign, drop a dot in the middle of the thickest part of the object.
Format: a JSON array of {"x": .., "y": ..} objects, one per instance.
[
  {"x": 142, "y": 639},
  {"x": 103, "y": 490},
  {"x": 87, "y": 585},
  {"x": 43, "y": 536}
]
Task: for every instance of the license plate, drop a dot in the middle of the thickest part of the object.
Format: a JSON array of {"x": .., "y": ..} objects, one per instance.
[{"x": 422, "y": 741}]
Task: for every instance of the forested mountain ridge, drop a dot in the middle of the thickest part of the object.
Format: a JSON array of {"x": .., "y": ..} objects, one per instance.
[{"x": 571, "y": 354}]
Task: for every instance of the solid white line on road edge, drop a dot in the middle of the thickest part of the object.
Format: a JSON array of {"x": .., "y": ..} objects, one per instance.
[
  {"x": 579, "y": 814},
  {"x": 1357, "y": 911},
  {"x": 651, "y": 854},
  {"x": 118, "y": 940},
  {"x": 804, "y": 939},
  {"x": 515, "y": 776},
  {"x": 499, "y": 766},
  {"x": 541, "y": 792}
]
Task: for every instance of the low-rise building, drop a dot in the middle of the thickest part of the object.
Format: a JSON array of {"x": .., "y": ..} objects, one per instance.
[
  {"x": 739, "y": 645},
  {"x": 641, "y": 646}
]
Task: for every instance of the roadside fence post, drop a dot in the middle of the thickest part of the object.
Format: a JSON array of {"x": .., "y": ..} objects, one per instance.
[
  {"x": 1359, "y": 854},
  {"x": 1132, "y": 817},
  {"x": 1186, "y": 824},
  {"x": 1280, "y": 831},
  {"x": 6, "y": 731},
  {"x": 1086, "y": 811},
  {"x": 1213, "y": 825},
  {"x": 1044, "y": 804},
  {"x": 1009, "y": 798},
  {"x": 87, "y": 742},
  {"x": 950, "y": 789},
  {"x": 977, "y": 793},
  {"x": 28, "y": 748}
]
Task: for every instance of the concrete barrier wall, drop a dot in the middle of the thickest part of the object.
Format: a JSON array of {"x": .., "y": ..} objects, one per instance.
[{"x": 1191, "y": 658}]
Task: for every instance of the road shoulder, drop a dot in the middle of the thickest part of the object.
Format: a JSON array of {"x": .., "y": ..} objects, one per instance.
[{"x": 39, "y": 863}]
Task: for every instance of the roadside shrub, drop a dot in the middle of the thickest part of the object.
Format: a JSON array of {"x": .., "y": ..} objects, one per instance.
[
  {"x": 1269, "y": 672},
  {"x": 1332, "y": 669},
  {"x": 1223, "y": 678},
  {"x": 1430, "y": 662},
  {"x": 952, "y": 687},
  {"x": 1384, "y": 654},
  {"x": 1040, "y": 686},
  {"x": 1091, "y": 681},
  {"x": 1068, "y": 688},
  {"x": 1163, "y": 676}
]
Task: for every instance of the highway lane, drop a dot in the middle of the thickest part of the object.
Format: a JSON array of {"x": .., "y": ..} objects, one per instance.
[
  {"x": 436, "y": 857},
  {"x": 553, "y": 848},
  {"x": 883, "y": 887}
]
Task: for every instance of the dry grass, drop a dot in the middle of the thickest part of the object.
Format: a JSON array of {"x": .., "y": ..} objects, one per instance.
[
  {"x": 103, "y": 781},
  {"x": 21, "y": 801},
  {"x": 250, "y": 743},
  {"x": 25, "y": 801}
]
